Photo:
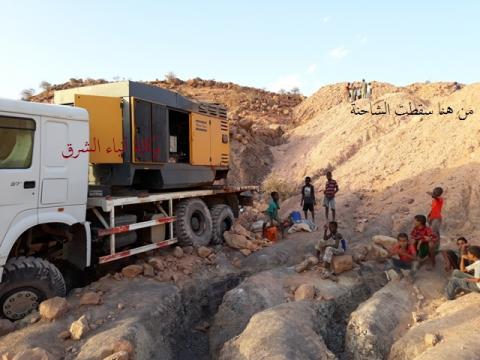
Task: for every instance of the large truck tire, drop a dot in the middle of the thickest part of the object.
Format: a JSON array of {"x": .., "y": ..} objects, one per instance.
[
  {"x": 222, "y": 220},
  {"x": 27, "y": 281},
  {"x": 193, "y": 225}
]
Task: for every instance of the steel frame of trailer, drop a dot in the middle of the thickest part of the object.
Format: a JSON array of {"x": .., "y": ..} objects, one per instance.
[{"x": 108, "y": 205}]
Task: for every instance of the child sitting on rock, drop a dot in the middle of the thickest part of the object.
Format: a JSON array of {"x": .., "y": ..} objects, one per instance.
[
  {"x": 452, "y": 257},
  {"x": 330, "y": 245},
  {"x": 461, "y": 279},
  {"x": 425, "y": 241},
  {"x": 403, "y": 255}
]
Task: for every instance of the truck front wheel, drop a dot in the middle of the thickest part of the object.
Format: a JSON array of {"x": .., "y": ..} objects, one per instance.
[{"x": 27, "y": 281}]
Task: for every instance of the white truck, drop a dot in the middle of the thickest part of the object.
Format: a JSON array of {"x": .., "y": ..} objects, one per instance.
[{"x": 48, "y": 221}]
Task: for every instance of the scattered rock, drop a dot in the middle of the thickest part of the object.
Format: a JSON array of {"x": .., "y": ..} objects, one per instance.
[
  {"x": 417, "y": 317},
  {"x": 392, "y": 275},
  {"x": 120, "y": 306},
  {"x": 203, "y": 251},
  {"x": 203, "y": 326},
  {"x": 245, "y": 252},
  {"x": 64, "y": 335},
  {"x": 342, "y": 263},
  {"x": 132, "y": 271},
  {"x": 34, "y": 354},
  {"x": 188, "y": 250},
  {"x": 121, "y": 355},
  {"x": 377, "y": 252},
  {"x": 305, "y": 292},
  {"x": 157, "y": 263},
  {"x": 118, "y": 276},
  {"x": 91, "y": 298},
  {"x": 79, "y": 328},
  {"x": 431, "y": 339},
  {"x": 306, "y": 264},
  {"x": 360, "y": 253},
  {"x": 178, "y": 252},
  {"x": 53, "y": 308},
  {"x": 6, "y": 327},
  {"x": 148, "y": 270},
  {"x": 237, "y": 263},
  {"x": 6, "y": 355},
  {"x": 124, "y": 345}
]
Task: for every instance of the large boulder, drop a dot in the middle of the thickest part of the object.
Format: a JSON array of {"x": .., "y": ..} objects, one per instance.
[
  {"x": 284, "y": 332},
  {"x": 449, "y": 334},
  {"x": 370, "y": 329},
  {"x": 34, "y": 354},
  {"x": 255, "y": 294},
  {"x": 237, "y": 241},
  {"x": 386, "y": 242}
]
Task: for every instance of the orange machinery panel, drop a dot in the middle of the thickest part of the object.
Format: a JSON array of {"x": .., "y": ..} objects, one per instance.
[
  {"x": 219, "y": 142},
  {"x": 105, "y": 121},
  {"x": 200, "y": 133}
]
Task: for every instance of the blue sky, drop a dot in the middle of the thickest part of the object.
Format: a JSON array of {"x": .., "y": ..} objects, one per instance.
[{"x": 266, "y": 44}]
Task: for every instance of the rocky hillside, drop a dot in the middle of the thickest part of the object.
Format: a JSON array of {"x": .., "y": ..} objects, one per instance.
[
  {"x": 389, "y": 161},
  {"x": 251, "y": 111}
]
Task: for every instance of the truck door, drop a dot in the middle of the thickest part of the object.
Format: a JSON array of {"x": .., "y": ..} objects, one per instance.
[{"x": 19, "y": 169}]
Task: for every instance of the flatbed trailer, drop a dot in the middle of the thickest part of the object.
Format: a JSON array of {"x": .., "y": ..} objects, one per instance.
[{"x": 106, "y": 207}]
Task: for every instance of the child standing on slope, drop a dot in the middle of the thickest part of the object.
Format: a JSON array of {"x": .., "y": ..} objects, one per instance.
[
  {"x": 308, "y": 198},
  {"x": 272, "y": 211},
  {"x": 331, "y": 188},
  {"x": 425, "y": 241},
  {"x": 435, "y": 215}
]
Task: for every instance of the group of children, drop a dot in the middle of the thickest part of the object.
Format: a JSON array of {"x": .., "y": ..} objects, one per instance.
[
  {"x": 424, "y": 245},
  {"x": 333, "y": 242},
  {"x": 409, "y": 253}
]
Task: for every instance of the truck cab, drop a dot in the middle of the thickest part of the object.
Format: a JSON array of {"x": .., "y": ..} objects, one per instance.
[{"x": 42, "y": 192}]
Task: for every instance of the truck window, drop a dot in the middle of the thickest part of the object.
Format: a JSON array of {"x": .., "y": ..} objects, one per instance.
[{"x": 16, "y": 142}]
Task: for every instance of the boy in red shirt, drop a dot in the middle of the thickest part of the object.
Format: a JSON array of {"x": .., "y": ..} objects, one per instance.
[
  {"x": 424, "y": 240},
  {"x": 403, "y": 254},
  {"x": 435, "y": 215}
]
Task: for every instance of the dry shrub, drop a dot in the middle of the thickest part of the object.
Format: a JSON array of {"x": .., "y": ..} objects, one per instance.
[{"x": 284, "y": 188}]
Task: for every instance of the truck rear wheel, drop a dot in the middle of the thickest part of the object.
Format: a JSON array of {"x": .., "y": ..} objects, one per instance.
[
  {"x": 222, "y": 220},
  {"x": 193, "y": 224},
  {"x": 27, "y": 281}
]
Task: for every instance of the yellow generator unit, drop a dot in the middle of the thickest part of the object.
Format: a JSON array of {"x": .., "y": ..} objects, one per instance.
[{"x": 151, "y": 138}]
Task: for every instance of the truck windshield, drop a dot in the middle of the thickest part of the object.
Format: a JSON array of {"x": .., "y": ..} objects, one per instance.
[{"x": 16, "y": 142}]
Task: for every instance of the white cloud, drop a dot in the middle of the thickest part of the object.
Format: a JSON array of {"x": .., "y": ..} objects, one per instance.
[
  {"x": 338, "y": 53},
  {"x": 286, "y": 82},
  {"x": 312, "y": 68},
  {"x": 326, "y": 19}
]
